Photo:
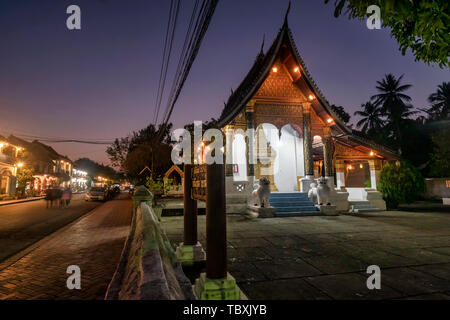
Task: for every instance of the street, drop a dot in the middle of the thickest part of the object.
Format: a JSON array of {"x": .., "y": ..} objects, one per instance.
[
  {"x": 23, "y": 224},
  {"x": 93, "y": 243}
]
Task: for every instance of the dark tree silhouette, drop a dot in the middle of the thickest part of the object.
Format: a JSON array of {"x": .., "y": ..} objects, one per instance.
[
  {"x": 394, "y": 104},
  {"x": 440, "y": 103},
  {"x": 371, "y": 121}
]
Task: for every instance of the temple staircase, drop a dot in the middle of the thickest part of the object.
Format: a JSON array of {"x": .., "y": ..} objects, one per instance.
[{"x": 293, "y": 204}]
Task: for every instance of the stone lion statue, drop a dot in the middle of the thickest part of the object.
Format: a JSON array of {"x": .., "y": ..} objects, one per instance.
[
  {"x": 312, "y": 193},
  {"x": 323, "y": 192},
  {"x": 261, "y": 194}
]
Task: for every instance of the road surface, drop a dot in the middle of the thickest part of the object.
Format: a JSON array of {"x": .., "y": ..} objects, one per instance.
[
  {"x": 93, "y": 243},
  {"x": 25, "y": 223}
]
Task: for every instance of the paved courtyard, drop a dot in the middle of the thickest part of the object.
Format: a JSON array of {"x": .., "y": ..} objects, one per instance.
[{"x": 327, "y": 257}]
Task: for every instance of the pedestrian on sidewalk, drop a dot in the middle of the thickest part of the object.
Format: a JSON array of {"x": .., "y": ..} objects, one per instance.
[{"x": 66, "y": 196}]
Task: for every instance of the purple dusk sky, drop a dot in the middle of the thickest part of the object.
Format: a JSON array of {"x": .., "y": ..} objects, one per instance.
[{"x": 101, "y": 82}]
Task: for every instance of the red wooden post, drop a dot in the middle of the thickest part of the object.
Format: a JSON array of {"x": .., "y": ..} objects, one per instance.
[
  {"x": 190, "y": 209},
  {"x": 216, "y": 226}
]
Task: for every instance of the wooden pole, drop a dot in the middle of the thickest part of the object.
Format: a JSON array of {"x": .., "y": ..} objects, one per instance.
[
  {"x": 190, "y": 209},
  {"x": 216, "y": 224}
]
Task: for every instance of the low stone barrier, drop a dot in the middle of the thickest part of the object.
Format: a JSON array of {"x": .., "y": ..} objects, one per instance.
[
  {"x": 437, "y": 188},
  {"x": 148, "y": 268}
]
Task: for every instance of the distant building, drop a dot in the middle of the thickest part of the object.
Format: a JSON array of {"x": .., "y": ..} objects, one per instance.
[
  {"x": 9, "y": 161},
  {"x": 49, "y": 167},
  {"x": 79, "y": 179}
]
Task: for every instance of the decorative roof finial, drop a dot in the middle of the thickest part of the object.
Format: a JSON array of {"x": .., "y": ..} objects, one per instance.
[
  {"x": 287, "y": 13},
  {"x": 261, "y": 52}
]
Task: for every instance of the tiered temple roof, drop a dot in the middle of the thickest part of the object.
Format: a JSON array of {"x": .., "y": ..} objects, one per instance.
[{"x": 284, "y": 48}]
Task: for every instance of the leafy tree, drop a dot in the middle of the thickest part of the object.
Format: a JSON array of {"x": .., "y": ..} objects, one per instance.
[
  {"x": 400, "y": 183},
  {"x": 118, "y": 150},
  {"x": 150, "y": 143},
  {"x": 23, "y": 176},
  {"x": 441, "y": 155},
  {"x": 440, "y": 100},
  {"x": 423, "y": 26},
  {"x": 393, "y": 104},
  {"x": 340, "y": 111},
  {"x": 371, "y": 121}
]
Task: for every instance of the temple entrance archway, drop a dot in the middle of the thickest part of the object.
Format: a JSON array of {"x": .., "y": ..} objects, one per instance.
[
  {"x": 290, "y": 159},
  {"x": 239, "y": 148}
]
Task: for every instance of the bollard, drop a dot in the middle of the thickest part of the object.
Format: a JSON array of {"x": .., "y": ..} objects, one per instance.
[
  {"x": 190, "y": 250},
  {"x": 216, "y": 283}
]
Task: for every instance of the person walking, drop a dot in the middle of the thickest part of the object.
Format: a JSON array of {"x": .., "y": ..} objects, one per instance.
[{"x": 65, "y": 199}]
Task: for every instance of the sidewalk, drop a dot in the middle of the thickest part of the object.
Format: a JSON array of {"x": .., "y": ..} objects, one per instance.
[
  {"x": 8, "y": 202},
  {"x": 94, "y": 243}
]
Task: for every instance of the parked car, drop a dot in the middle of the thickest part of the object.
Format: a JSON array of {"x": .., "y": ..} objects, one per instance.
[{"x": 96, "y": 193}]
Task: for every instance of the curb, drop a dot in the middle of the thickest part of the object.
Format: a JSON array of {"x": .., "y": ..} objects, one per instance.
[{"x": 20, "y": 201}]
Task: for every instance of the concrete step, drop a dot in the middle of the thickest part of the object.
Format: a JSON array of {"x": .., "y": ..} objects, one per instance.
[
  {"x": 298, "y": 214},
  {"x": 363, "y": 206},
  {"x": 296, "y": 209},
  {"x": 290, "y": 204}
]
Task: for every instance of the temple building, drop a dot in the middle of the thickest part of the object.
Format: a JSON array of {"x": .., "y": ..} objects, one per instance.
[{"x": 297, "y": 138}]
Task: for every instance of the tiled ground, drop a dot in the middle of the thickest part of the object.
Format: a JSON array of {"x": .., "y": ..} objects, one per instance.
[
  {"x": 94, "y": 243},
  {"x": 327, "y": 257}
]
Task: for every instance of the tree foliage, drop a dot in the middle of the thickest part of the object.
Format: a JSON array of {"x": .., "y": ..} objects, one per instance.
[
  {"x": 24, "y": 175},
  {"x": 423, "y": 26},
  {"x": 149, "y": 147},
  {"x": 441, "y": 156},
  {"x": 400, "y": 183},
  {"x": 340, "y": 111},
  {"x": 440, "y": 103},
  {"x": 371, "y": 121}
]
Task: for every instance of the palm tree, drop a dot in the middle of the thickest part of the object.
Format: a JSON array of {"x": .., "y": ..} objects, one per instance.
[
  {"x": 393, "y": 103},
  {"x": 440, "y": 100},
  {"x": 371, "y": 118}
]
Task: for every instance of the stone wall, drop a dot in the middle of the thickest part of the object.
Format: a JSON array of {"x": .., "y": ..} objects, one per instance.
[
  {"x": 148, "y": 268},
  {"x": 437, "y": 188}
]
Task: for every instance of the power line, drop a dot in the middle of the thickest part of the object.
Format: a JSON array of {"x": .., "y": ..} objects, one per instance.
[
  {"x": 168, "y": 43},
  {"x": 61, "y": 140},
  {"x": 201, "y": 26}
]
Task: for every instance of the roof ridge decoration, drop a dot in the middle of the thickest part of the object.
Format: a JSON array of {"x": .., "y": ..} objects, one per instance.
[{"x": 287, "y": 13}]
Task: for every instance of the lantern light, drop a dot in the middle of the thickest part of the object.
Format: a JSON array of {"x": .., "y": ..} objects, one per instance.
[
  {"x": 20, "y": 165},
  {"x": 350, "y": 167},
  {"x": 311, "y": 97},
  {"x": 296, "y": 69},
  {"x": 372, "y": 153},
  {"x": 330, "y": 120},
  {"x": 275, "y": 69}
]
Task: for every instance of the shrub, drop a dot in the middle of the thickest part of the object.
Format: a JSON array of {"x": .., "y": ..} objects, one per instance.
[
  {"x": 440, "y": 167},
  {"x": 400, "y": 183}
]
